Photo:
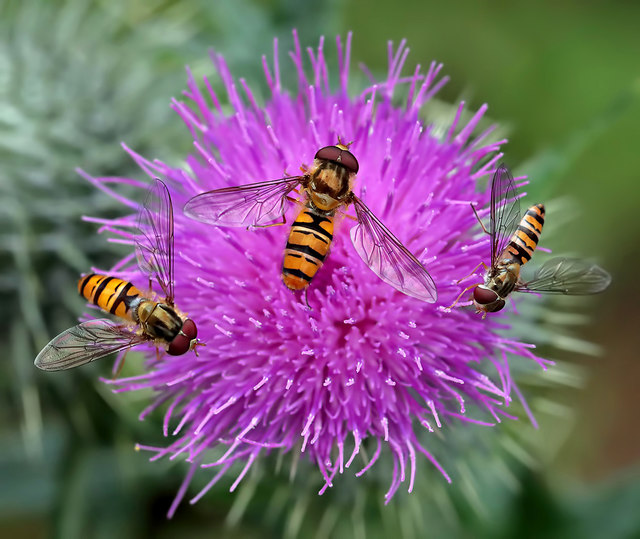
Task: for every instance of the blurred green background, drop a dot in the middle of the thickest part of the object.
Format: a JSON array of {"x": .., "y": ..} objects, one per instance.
[{"x": 78, "y": 77}]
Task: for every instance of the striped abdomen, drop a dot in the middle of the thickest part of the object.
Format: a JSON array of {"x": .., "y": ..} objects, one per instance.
[
  {"x": 308, "y": 245},
  {"x": 109, "y": 293},
  {"x": 525, "y": 238}
]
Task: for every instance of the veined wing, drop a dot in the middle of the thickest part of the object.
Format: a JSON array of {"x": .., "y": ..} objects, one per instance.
[
  {"x": 570, "y": 276},
  {"x": 84, "y": 343},
  {"x": 154, "y": 244},
  {"x": 388, "y": 258},
  {"x": 255, "y": 204},
  {"x": 505, "y": 211}
]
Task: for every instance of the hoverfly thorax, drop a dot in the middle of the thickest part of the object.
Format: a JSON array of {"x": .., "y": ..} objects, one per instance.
[
  {"x": 159, "y": 320},
  {"x": 504, "y": 279},
  {"x": 322, "y": 202}
]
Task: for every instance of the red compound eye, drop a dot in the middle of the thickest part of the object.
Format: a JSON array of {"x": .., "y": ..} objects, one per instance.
[
  {"x": 189, "y": 328},
  {"x": 483, "y": 296},
  {"x": 181, "y": 344},
  {"x": 338, "y": 155}
]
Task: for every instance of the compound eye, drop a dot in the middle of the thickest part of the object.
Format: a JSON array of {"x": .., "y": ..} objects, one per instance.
[
  {"x": 499, "y": 305},
  {"x": 338, "y": 155},
  {"x": 349, "y": 161},
  {"x": 329, "y": 153},
  {"x": 189, "y": 329},
  {"x": 179, "y": 345},
  {"x": 484, "y": 296}
]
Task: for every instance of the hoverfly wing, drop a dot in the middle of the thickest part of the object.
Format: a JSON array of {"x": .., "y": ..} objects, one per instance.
[
  {"x": 388, "y": 258},
  {"x": 505, "y": 211},
  {"x": 570, "y": 276},
  {"x": 255, "y": 204},
  {"x": 84, "y": 343},
  {"x": 154, "y": 243}
]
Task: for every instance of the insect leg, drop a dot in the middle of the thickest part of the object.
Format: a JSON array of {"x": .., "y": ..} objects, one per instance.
[
  {"x": 460, "y": 295},
  {"x": 295, "y": 200},
  {"x": 284, "y": 222},
  {"x": 306, "y": 298},
  {"x": 121, "y": 366},
  {"x": 479, "y": 220},
  {"x": 348, "y": 216},
  {"x": 284, "y": 217},
  {"x": 472, "y": 272}
]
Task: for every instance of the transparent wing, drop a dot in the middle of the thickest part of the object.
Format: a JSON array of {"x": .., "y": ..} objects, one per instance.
[
  {"x": 84, "y": 343},
  {"x": 505, "y": 211},
  {"x": 570, "y": 276},
  {"x": 388, "y": 258},
  {"x": 255, "y": 204},
  {"x": 154, "y": 244}
]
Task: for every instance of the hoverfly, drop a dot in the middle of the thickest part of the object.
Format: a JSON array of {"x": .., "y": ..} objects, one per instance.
[
  {"x": 513, "y": 241},
  {"x": 159, "y": 322},
  {"x": 326, "y": 187}
]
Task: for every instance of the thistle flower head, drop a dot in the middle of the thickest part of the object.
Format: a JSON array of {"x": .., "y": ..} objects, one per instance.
[{"x": 366, "y": 365}]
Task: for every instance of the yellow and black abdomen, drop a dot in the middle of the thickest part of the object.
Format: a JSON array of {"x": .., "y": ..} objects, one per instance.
[
  {"x": 111, "y": 294},
  {"x": 525, "y": 239},
  {"x": 309, "y": 241}
]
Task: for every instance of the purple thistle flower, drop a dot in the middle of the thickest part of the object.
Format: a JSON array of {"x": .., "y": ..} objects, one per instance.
[{"x": 367, "y": 365}]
